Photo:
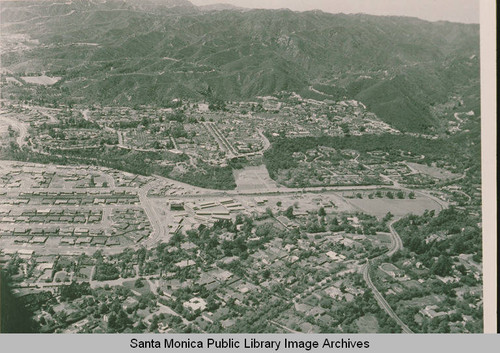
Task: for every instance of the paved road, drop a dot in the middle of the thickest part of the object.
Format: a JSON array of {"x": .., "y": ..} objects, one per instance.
[
  {"x": 283, "y": 327},
  {"x": 469, "y": 199},
  {"x": 267, "y": 143},
  {"x": 273, "y": 191},
  {"x": 382, "y": 302},
  {"x": 397, "y": 244},
  {"x": 159, "y": 224},
  {"x": 396, "y": 240}
]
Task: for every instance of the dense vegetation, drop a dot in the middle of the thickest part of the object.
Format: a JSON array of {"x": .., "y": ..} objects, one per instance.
[
  {"x": 461, "y": 231},
  {"x": 441, "y": 257},
  {"x": 138, "y": 162},
  {"x": 453, "y": 151},
  {"x": 399, "y": 67},
  {"x": 16, "y": 317}
]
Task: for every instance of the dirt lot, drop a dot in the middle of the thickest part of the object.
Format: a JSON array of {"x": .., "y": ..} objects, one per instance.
[
  {"x": 41, "y": 80},
  {"x": 254, "y": 178}
]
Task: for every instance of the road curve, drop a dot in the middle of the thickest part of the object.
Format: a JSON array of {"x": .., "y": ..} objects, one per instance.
[
  {"x": 397, "y": 245},
  {"x": 381, "y": 301},
  {"x": 396, "y": 240}
]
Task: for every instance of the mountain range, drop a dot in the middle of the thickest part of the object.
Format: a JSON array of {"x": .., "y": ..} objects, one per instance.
[{"x": 151, "y": 51}]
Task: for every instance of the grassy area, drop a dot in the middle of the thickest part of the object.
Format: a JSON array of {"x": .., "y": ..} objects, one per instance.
[
  {"x": 380, "y": 207},
  {"x": 142, "y": 290},
  {"x": 368, "y": 324},
  {"x": 435, "y": 172}
]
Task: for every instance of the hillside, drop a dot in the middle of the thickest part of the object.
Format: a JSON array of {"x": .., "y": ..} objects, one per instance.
[{"x": 134, "y": 52}]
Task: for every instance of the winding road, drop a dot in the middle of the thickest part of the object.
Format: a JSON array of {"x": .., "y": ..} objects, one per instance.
[{"x": 397, "y": 244}]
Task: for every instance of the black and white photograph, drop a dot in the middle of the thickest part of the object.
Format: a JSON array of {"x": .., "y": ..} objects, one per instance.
[{"x": 275, "y": 167}]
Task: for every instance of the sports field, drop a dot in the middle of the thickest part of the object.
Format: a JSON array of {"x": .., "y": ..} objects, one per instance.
[{"x": 380, "y": 207}]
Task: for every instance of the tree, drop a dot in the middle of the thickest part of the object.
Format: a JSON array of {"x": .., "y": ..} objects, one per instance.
[
  {"x": 98, "y": 255},
  {"x": 289, "y": 212},
  {"x": 17, "y": 317},
  {"x": 176, "y": 238},
  {"x": 211, "y": 303},
  {"x": 141, "y": 254},
  {"x": 74, "y": 290},
  {"x": 326, "y": 302},
  {"x": 11, "y": 131},
  {"x": 443, "y": 266},
  {"x": 387, "y": 217},
  {"x": 321, "y": 212}
]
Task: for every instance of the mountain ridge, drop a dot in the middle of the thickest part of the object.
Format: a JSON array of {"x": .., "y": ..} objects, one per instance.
[{"x": 394, "y": 65}]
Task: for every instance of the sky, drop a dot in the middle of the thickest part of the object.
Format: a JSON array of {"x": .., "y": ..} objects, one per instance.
[{"x": 465, "y": 11}]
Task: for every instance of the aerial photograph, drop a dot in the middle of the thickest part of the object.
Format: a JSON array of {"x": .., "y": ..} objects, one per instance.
[{"x": 175, "y": 166}]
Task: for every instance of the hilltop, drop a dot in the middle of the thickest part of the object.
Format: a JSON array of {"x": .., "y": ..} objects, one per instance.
[{"x": 135, "y": 52}]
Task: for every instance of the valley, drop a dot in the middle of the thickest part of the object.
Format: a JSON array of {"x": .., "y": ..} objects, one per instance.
[{"x": 169, "y": 168}]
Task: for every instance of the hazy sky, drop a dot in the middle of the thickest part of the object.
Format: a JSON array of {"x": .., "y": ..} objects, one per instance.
[{"x": 466, "y": 11}]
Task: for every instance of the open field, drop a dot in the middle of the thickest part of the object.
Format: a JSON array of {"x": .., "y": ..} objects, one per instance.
[
  {"x": 380, "y": 207},
  {"x": 368, "y": 324},
  {"x": 145, "y": 289},
  {"x": 434, "y": 172},
  {"x": 41, "y": 80},
  {"x": 254, "y": 178},
  {"x": 427, "y": 300}
]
